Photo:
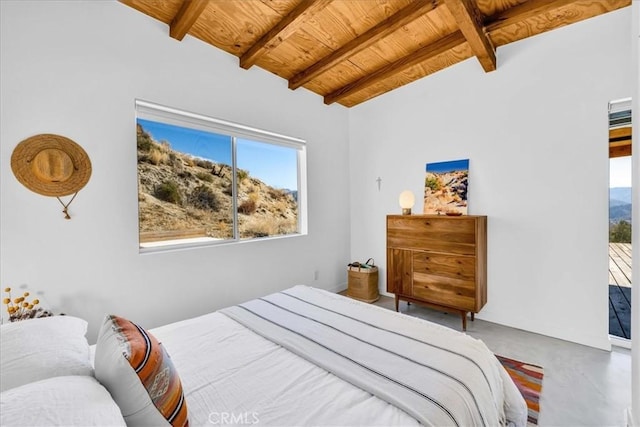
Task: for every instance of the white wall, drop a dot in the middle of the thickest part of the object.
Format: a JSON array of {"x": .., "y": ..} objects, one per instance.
[
  {"x": 74, "y": 68},
  {"x": 535, "y": 132}
]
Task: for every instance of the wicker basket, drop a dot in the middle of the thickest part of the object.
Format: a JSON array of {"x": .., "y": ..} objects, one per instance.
[{"x": 363, "y": 283}]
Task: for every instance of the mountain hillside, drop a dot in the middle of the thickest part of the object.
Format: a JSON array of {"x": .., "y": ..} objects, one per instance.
[
  {"x": 620, "y": 194},
  {"x": 183, "y": 196},
  {"x": 620, "y": 204},
  {"x": 620, "y": 213}
]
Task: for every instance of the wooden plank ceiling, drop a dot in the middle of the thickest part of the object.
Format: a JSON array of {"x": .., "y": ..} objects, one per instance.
[
  {"x": 349, "y": 51},
  {"x": 620, "y": 142}
]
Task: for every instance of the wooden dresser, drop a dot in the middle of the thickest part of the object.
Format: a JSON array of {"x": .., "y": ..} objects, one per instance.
[{"x": 438, "y": 261}]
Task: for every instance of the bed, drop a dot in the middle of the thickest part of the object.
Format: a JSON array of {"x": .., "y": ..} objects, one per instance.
[{"x": 305, "y": 356}]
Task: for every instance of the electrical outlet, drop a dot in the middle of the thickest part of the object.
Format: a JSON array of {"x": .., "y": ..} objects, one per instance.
[{"x": 316, "y": 274}]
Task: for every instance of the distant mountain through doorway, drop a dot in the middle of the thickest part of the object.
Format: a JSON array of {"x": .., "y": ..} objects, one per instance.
[{"x": 619, "y": 204}]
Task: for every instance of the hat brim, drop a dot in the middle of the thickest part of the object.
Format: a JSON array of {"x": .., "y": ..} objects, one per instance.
[{"x": 27, "y": 150}]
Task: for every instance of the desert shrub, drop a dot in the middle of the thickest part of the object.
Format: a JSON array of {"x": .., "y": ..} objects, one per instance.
[
  {"x": 169, "y": 192},
  {"x": 277, "y": 193},
  {"x": 205, "y": 164},
  {"x": 157, "y": 157},
  {"x": 247, "y": 207},
  {"x": 219, "y": 172},
  {"x": 228, "y": 190},
  {"x": 258, "y": 227},
  {"x": 165, "y": 146},
  {"x": 144, "y": 140},
  {"x": 189, "y": 161},
  {"x": 242, "y": 175},
  {"x": 255, "y": 197},
  {"x": 203, "y": 176},
  {"x": 433, "y": 182},
  {"x": 204, "y": 198},
  {"x": 264, "y": 227},
  {"x": 284, "y": 205}
]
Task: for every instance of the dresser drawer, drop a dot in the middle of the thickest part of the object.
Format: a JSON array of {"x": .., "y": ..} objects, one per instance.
[
  {"x": 450, "y": 235},
  {"x": 457, "y": 294},
  {"x": 445, "y": 265}
]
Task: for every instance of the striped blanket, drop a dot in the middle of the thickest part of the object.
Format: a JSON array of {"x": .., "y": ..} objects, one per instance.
[{"x": 439, "y": 376}]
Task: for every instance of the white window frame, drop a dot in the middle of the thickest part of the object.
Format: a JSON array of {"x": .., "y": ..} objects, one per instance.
[{"x": 160, "y": 113}]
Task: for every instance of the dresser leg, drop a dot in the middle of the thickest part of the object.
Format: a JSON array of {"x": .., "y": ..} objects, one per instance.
[
  {"x": 464, "y": 320},
  {"x": 397, "y": 301},
  {"x": 473, "y": 316}
]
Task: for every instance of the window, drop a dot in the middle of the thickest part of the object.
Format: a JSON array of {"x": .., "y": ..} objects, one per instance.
[{"x": 203, "y": 181}]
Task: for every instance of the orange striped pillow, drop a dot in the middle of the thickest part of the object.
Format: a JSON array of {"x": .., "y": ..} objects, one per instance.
[{"x": 139, "y": 374}]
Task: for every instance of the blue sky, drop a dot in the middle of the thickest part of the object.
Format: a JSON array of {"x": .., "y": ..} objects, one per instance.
[
  {"x": 274, "y": 165},
  {"x": 453, "y": 165}
]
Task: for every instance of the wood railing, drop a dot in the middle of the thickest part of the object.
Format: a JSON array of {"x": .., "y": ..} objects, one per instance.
[{"x": 156, "y": 236}]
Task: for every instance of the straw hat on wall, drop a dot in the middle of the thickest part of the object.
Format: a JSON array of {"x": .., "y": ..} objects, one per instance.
[{"x": 51, "y": 165}]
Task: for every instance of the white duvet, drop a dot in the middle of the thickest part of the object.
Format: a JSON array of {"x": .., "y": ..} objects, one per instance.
[
  {"x": 229, "y": 373},
  {"x": 233, "y": 376}
]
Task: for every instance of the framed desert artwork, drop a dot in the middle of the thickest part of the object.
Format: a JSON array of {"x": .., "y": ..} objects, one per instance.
[{"x": 445, "y": 187}]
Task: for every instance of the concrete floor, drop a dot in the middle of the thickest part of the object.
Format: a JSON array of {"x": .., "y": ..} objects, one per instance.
[{"x": 582, "y": 386}]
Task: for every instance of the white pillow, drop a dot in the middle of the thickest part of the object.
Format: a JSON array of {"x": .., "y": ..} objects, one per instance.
[
  {"x": 35, "y": 349},
  {"x": 60, "y": 401},
  {"x": 139, "y": 374}
]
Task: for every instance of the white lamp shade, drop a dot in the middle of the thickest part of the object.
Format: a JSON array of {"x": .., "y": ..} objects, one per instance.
[{"x": 407, "y": 199}]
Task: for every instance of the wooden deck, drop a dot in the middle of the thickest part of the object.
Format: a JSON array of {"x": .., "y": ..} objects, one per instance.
[
  {"x": 620, "y": 290},
  {"x": 620, "y": 264}
]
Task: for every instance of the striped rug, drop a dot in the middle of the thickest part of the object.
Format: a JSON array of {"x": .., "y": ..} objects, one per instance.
[{"x": 528, "y": 379}]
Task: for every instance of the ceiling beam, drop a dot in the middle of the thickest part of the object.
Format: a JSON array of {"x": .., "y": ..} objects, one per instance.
[
  {"x": 186, "y": 17},
  {"x": 620, "y": 150},
  {"x": 619, "y": 134},
  {"x": 469, "y": 20},
  {"x": 620, "y": 142},
  {"x": 497, "y": 22},
  {"x": 401, "y": 18},
  {"x": 282, "y": 30},
  {"x": 427, "y": 52},
  {"x": 524, "y": 11},
  {"x": 538, "y": 16}
]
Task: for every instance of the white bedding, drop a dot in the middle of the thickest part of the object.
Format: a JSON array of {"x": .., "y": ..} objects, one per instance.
[
  {"x": 229, "y": 371},
  {"x": 73, "y": 400},
  {"x": 232, "y": 375}
]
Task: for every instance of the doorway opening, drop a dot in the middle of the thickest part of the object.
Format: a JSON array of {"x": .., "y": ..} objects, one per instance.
[{"x": 620, "y": 209}]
